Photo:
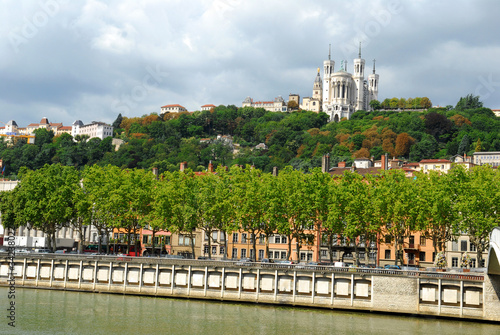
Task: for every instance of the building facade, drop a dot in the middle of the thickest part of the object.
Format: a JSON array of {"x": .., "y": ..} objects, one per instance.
[
  {"x": 100, "y": 130},
  {"x": 176, "y": 108},
  {"x": 277, "y": 105},
  {"x": 344, "y": 92}
]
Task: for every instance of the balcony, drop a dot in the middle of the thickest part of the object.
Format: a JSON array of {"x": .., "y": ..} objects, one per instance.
[{"x": 412, "y": 247}]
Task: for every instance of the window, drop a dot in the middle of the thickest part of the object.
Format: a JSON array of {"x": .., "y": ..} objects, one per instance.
[
  {"x": 157, "y": 240},
  {"x": 454, "y": 262},
  {"x": 222, "y": 236},
  {"x": 144, "y": 239},
  {"x": 277, "y": 239},
  {"x": 422, "y": 241},
  {"x": 472, "y": 247},
  {"x": 244, "y": 238},
  {"x": 454, "y": 246},
  {"x": 261, "y": 239},
  {"x": 422, "y": 256},
  {"x": 222, "y": 250},
  {"x": 277, "y": 254},
  {"x": 214, "y": 250},
  {"x": 283, "y": 239},
  {"x": 261, "y": 254},
  {"x": 483, "y": 263},
  {"x": 235, "y": 253},
  {"x": 463, "y": 245},
  {"x": 205, "y": 250},
  {"x": 434, "y": 256},
  {"x": 303, "y": 256},
  {"x": 323, "y": 253},
  {"x": 388, "y": 239},
  {"x": 252, "y": 255},
  {"x": 473, "y": 263},
  {"x": 283, "y": 255},
  {"x": 243, "y": 253},
  {"x": 167, "y": 240},
  {"x": 388, "y": 254},
  {"x": 215, "y": 235},
  {"x": 309, "y": 257},
  {"x": 235, "y": 238}
]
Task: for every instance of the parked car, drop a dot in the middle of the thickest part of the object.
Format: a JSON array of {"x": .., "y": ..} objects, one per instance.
[
  {"x": 392, "y": 267},
  {"x": 244, "y": 261},
  {"x": 43, "y": 251}
]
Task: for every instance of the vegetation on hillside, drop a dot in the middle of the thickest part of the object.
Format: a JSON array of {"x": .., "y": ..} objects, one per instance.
[{"x": 298, "y": 139}]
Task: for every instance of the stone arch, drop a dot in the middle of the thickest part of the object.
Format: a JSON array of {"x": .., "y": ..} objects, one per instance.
[{"x": 494, "y": 252}]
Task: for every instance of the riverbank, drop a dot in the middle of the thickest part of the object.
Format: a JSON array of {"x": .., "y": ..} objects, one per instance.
[{"x": 462, "y": 296}]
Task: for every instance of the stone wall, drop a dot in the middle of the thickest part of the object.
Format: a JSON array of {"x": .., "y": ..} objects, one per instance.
[{"x": 412, "y": 292}]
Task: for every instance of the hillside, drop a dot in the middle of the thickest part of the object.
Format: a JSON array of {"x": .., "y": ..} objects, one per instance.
[{"x": 298, "y": 139}]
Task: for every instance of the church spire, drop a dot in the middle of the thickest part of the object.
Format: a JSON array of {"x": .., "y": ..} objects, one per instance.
[
  {"x": 329, "y": 52},
  {"x": 359, "y": 54},
  {"x": 374, "y": 66}
]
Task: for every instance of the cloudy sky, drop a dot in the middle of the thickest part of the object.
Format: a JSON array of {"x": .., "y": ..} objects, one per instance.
[{"x": 93, "y": 59}]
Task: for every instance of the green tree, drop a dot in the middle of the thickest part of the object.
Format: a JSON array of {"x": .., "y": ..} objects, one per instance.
[
  {"x": 464, "y": 145},
  {"x": 478, "y": 205},
  {"x": 470, "y": 101},
  {"x": 396, "y": 208},
  {"x": 48, "y": 198}
]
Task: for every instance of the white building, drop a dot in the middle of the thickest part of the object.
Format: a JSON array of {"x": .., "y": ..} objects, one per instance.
[
  {"x": 207, "y": 107},
  {"x": 344, "y": 92},
  {"x": 278, "y": 105},
  {"x": 314, "y": 103},
  {"x": 95, "y": 129},
  {"x": 173, "y": 109},
  {"x": 491, "y": 158}
]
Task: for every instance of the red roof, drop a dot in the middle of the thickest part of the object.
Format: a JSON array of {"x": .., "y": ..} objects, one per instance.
[
  {"x": 65, "y": 128},
  {"x": 175, "y": 105},
  {"x": 209, "y": 105},
  {"x": 435, "y": 161}
]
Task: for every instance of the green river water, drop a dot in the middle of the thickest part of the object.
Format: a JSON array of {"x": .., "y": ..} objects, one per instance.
[{"x": 60, "y": 312}]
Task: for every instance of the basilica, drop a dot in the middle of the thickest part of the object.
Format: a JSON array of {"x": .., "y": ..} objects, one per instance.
[{"x": 341, "y": 93}]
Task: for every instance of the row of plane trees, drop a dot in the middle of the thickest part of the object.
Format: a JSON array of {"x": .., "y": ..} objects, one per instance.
[{"x": 299, "y": 205}]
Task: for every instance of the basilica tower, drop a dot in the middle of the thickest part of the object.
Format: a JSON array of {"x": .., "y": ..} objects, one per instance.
[
  {"x": 373, "y": 84},
  {"x": 359, "y": 79},
  {"x": 328, "y": 70}
]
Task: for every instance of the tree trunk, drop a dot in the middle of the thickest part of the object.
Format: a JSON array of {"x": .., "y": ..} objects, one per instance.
[
  {"x": 153, "y": 243},
  {"x": 289, "y": 255},
  {"x": 192, "y": 236},
  {"x": 330, "y": 247},
  {"x": 254, "y": 246},
  {"x": 297, "y": 252},
  {"x": 209, "y": 232},
  {"x": 267, "y": 246}
]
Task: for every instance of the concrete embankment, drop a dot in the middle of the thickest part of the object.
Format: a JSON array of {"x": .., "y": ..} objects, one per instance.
[{"x": 458, "y": 295}]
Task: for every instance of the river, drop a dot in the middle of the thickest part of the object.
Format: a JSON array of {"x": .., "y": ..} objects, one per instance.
[{"x": 63, "y": 312}]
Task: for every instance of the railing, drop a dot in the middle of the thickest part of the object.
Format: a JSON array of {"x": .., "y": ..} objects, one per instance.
[{"x": 248, "y": 264}]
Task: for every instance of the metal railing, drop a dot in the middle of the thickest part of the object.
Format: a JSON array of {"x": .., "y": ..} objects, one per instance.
[{"x": 249, "y": 264}]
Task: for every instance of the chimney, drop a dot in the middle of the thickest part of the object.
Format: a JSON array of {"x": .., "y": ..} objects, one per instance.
[
  {"x": 275, "y": 171},
  {"x": 341, "y": 165},
  {"x": 183, "y": 166},
  {"x": 210, "y": 167},
  {"x": 325, "y": 163},
  {"x": 384, "y": 160},
  {"x": 155, "y": 172}
]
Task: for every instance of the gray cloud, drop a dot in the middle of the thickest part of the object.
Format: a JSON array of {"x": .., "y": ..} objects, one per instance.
[{"x": 93, "y": 59}]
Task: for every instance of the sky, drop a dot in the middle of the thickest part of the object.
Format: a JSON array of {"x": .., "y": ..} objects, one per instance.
[{"x": 90, "y": 60}]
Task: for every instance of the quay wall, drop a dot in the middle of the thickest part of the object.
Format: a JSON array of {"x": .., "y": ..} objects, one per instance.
[{"x": 457, "y": 295}]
